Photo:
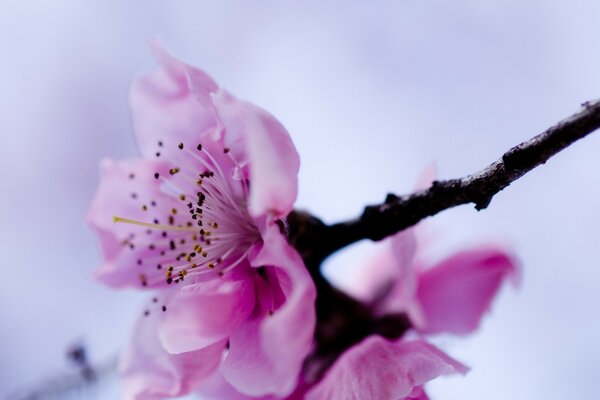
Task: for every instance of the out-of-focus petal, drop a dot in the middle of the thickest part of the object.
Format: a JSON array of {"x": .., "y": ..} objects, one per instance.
[
  {"x": 269, "y": 152},
  {"x": 402, "y": 296},
  {"x": 418, "y": 393},
  {"x": 150, "y": 373},
  {"x": 124, "y": 187},
  {"x": 379, "y": 369},
  {"x": 171, "y": 105},
  {"x": 456, "y": 293},
  {"x": 266, "y": 357},
  {"x": 388, "y": 281},
  {"x": 206, "y": 312}
]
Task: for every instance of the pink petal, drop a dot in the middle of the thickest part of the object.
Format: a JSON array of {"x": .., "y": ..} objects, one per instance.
[
  {"x": 247, "y": 367},
  {"x": 150, "y": 373},
  {"x": 379, "y": 369},
  {"x": 123, "y": 196},
  {"x": 217, "y": 388},
  {"x": 266, "y": 356},
  {"x": 267, "y": 149},
  {"x": 388, "y": 281},
  {"x": 418, "y": 393},
  {"x": 201, "y": 314},
  {"x": 402, "y": 297},
  {"x": 426, "y": 177},
  {"x": 456, "y": 293},
  {"x": 171, "y": 105},
  {"x": 200, "y": 84}
]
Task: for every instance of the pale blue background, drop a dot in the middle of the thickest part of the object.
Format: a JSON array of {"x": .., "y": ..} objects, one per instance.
[{"x": 371, "y": 92}]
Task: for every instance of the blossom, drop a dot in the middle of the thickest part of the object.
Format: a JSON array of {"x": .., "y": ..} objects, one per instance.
[
  {"x": 198, "y": 219},
  {"x": 449, "y": 297}
]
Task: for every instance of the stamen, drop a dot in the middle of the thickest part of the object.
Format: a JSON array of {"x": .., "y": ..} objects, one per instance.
[{"x": 155, "y": 226}]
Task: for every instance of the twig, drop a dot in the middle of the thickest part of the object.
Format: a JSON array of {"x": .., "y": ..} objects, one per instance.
[{"x": 61, "y": 386}]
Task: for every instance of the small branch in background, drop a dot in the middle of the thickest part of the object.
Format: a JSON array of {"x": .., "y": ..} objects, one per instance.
[
  {"x": 77, "y": 354},
  {"x": 73, "y": 383},
  {"x": 316, "y": 241}
]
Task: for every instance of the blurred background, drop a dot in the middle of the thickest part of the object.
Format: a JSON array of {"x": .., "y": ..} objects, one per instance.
[{"x": 372, "y": 93}]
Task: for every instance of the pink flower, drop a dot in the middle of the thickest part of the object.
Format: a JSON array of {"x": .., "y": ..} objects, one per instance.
[
  {"x": 449, "y": 297},
  {"x": 198, "y": 219}
]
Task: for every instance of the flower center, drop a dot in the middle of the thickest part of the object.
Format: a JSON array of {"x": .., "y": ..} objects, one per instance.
[{"x": 208, "y": 227}]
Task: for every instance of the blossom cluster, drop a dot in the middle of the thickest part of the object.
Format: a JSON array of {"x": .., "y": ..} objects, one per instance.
[{"x": 199, "y": 221}]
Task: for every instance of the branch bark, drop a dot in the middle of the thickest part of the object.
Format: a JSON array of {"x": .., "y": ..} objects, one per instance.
[{"x": 316, "y": 240}]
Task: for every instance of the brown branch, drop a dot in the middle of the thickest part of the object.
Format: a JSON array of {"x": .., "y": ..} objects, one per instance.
[{"x": 316, "y": 241}]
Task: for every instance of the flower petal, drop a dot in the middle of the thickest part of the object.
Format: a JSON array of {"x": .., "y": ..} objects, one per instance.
[
  {"x": 217, "y": 388},
  {"x": 150, "y": 373},
  {"x": 268, "y": 151},
  {"x": 266, "y": 356},
  {"x": 457, "y": 292},
  {"x": 171, "y": 105},
  {"x": 402, "y": 296},
  {"x": 206, "y": 312},
  {"x": 418, "y": 393},
  {"x": 125, "y": 187},
  {"x": 379, "y": 369}
]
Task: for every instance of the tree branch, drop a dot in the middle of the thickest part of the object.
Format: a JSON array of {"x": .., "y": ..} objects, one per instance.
[{"x": 316, "y": 241}]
